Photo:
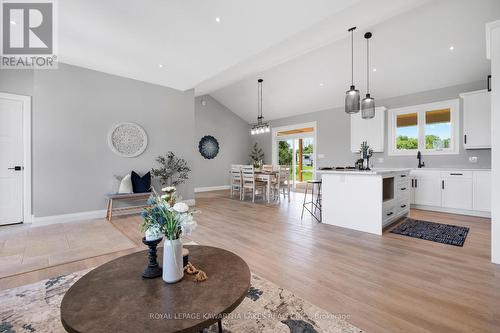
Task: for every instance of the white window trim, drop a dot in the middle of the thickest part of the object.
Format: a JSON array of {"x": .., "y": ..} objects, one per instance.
[{"x": 452, "y": 104}]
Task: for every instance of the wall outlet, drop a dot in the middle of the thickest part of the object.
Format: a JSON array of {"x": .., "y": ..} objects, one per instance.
[
  {"x": 321, "y": 156},
  {"x": 473, "y": 159}
]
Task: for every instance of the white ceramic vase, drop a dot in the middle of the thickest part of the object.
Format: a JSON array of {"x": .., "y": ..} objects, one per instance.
[{"x": 173, "y": 269}]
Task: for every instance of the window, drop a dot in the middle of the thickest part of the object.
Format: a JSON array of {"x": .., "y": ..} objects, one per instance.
[
  {"x": 438, "y": 129},
  {"x": 429, "y": 128},
  {"x": 407, "y": 131}
]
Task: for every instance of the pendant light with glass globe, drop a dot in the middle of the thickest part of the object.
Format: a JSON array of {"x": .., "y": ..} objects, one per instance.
[
  {"x": 352, "y": 95},
  {"x": 368, "y": 103}
]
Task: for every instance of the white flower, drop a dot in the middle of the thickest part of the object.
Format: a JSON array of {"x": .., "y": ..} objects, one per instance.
[
  {"x": 181, "y": 207},
  {"x": 169, "y": 189}
]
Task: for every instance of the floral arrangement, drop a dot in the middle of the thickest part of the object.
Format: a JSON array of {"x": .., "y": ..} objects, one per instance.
[{"x": 167, "y": 216}]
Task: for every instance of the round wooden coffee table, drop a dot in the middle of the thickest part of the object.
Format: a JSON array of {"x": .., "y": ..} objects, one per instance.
[{"x": 114, "y": 298}]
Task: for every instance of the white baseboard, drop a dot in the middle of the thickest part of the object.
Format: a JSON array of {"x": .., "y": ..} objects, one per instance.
[
  {"x": 211, "y": 188},
  {"x": 89, "y": 215},
  {"x": 453, "y": 211}
]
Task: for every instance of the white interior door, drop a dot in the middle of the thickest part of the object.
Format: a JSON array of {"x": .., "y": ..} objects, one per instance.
[{"x": 11, "y": 160}]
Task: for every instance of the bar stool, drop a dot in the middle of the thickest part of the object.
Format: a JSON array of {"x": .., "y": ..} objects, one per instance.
[{"x": 315, "y": 204}]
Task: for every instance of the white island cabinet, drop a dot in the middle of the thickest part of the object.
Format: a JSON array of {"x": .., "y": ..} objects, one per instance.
[{"x": 365, "y": 200}]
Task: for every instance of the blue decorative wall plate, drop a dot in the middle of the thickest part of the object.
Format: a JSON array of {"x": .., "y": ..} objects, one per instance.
[{"x": 208, "y": 147}]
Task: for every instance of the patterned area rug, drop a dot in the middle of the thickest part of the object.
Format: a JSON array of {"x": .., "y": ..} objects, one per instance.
[
  {"x": 436, "y": 232},
  {"x": 267, "y": 308}
]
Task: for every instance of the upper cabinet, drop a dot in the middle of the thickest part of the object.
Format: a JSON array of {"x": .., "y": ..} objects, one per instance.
[
  {"x": 369, "y": 130},
  {"x": 477, "y": 119}
]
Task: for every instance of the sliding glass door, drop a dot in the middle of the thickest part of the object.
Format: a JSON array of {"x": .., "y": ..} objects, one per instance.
[{"x": 297, "y": 152}]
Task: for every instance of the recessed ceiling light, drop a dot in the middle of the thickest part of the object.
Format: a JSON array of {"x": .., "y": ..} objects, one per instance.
[
  {"x": 217, "y": 19},
  {"x": 452, "y": 48},
  {"x": 374, "y": 69},
  {"x": 13, "y": 22},
  {"x": 160, "y": 65},
  {"x": 321, "y": 84}
]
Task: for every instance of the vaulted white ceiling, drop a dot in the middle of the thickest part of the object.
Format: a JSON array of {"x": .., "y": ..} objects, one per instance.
[
  {"x": 299, "y": 47},
  {"x": 410, "y": 52},
  {"x": 132, "y": 38}
]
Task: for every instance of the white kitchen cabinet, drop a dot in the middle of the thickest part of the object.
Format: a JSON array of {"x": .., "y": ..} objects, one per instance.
[
  {"x": 457, "y": 190},
  {"x": 369, "y": 130},
  {"x": 426, "y": 188},
  {"x": 477, "y": 119},
  {"x": 482, "y": 191}
]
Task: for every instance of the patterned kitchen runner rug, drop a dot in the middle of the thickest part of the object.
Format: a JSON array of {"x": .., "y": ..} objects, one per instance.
[{"x": 436, "y": 232}]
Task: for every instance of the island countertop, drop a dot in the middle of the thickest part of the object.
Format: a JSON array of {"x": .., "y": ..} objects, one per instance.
[{"x": 374, "y": 171}]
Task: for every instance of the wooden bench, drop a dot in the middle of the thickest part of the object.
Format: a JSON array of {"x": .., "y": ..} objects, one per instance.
[{"x": 125, "y": 197}]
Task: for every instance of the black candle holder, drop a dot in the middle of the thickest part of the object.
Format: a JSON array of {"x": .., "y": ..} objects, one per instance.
[{"x": 153, "y": 270}]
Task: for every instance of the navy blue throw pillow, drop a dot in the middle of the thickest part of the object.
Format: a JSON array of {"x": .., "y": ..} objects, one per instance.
[{"x": 141, "y": 184}]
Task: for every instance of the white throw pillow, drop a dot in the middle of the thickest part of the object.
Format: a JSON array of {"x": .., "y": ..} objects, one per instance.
[{"x": 126, "y": 185}]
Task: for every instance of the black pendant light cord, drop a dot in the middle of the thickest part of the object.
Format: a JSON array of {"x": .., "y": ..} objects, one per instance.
[
  {"x": 367, "y": 66},
  {"x": 259, "y": 93},
  {"x": 368, "y": 35},
  {"x": 352, "y": 55}
]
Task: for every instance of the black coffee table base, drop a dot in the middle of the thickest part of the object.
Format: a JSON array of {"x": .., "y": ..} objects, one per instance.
[
  {"x": 219, "y": 324},
  {"x": 153, "y": 270}
]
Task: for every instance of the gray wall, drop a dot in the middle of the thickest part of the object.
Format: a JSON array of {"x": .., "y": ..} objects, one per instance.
[
  {"x": 334, "y": 134},
  {"x": 232, "y": 134},
  {"x": 72, "y": 111}
]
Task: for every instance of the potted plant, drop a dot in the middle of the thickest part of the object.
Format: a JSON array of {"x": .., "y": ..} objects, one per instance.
[
  {"x": 172, "y": 219},
  {"x": 173, "y": 171},
  {"x": 257, "y": 156},
  {"x": 365, "y": 153}
]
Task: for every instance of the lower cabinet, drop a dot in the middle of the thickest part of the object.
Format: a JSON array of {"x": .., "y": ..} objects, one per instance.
[
  {"x": 426, "y": 188},
  {"x": 456, "y": 190}
]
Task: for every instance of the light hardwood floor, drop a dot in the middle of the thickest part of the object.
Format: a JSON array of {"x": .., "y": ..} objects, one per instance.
[{"x": 385, "y": 284}]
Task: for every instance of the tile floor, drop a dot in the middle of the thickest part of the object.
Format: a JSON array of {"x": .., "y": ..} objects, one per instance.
[{"x": 24, "y": 248}]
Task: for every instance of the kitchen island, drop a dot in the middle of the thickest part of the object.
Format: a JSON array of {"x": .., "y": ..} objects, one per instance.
[{"x": 365, "y": 200}]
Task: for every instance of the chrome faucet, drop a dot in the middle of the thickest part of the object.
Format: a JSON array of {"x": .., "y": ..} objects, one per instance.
[{"x": 420, "y": 163}]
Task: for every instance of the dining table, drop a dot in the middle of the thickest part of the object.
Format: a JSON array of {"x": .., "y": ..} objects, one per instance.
[{"x": 267, "y": 177}]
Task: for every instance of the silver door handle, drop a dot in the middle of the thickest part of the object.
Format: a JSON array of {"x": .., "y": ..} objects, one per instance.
[{"x": 16, "y": 168}]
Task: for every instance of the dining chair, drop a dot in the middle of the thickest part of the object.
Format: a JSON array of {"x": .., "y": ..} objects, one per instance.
[
  {"x": 267, "y": 168},
  {"x": 283, "y": 182},
  {"x": 249, "y": 182},
  {"x": 236, "y": 181}
]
